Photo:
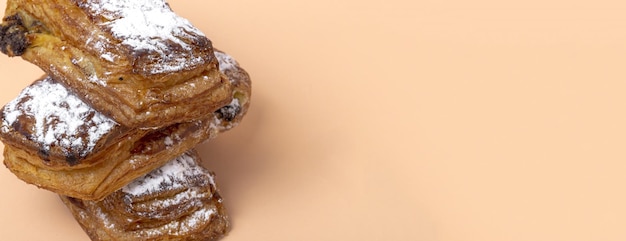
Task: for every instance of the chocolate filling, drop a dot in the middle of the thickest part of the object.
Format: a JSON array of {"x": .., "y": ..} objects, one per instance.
[
  {"x": 229, "y": 112},
  {"x": 77, "y": 202},
  {"x": 13, "y": 40},
  {"x": 156, "y": 141}
]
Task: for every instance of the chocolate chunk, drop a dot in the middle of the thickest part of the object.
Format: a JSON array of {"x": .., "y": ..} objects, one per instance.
[
  {"x": 229, "y": 112},
  {"x": 71, "y": 159},
  {"x": 13, "y": 40},
  {"x": 44, "y": 154},
  {"x": 79, "y": 203}
]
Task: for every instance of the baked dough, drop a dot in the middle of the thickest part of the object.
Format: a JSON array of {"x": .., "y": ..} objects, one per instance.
[
  {"x": 31, "y": 153},
  {"x": 178, "y": 201},
  {"x": 230, "y": 115},
  {"x": 130, "y": 88},
  {"x": 135, "y": 61},
  {"x": 57, "y": 142}
]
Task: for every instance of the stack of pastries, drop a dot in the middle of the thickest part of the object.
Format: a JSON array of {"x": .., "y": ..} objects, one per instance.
[{"x": 130, "y": 89}]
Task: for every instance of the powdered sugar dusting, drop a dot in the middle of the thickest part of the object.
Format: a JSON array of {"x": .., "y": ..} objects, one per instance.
[
  {"x": 149, "y": 26},
  {"x": 186, "y": 225},
  {"x": 59, "y": 118},
  {"x": 172, "y": 175},
  {"x": 181, "y": 201},
  {"x": 222, "y": 123},
  {"x": 178, "y": 173},
  {"x": 189, "y": 224},
  {"x": 99, "y": 42},
  {"x": 226, "y": 61},
  {"x": 189, "y": 194}
]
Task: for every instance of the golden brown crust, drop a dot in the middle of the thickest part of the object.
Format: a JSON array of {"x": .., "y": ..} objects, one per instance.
[
  {"x": 130, "y": 89},
  {"x": 230, "y": 115},
  {"x": 46, "y": 116},
  {"x": 113, "y": 69},
  {"x": 48, "y": 120},
  {"x": 116, "y": 170},
  {"x": 178, "y": 201}
]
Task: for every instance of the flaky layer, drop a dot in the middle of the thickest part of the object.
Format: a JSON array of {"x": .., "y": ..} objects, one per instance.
[
  {"x": 48, "y": 119},
  {"x": 118, "y": 160},
  {"x": 230, "y": 115},
  {"x": 51, "y": 121},
  {"x": 178, "y": 201},
  {"x": 137, "y": 61},
  {"x": 117, "y": 169}
]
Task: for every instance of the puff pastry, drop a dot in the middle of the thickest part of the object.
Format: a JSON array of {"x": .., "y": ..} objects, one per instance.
[
  {"x": 57, "y": 142},
  {"x": 230, "y": 115},
  {"x": 178, "y": 201},
  {"x": 135, "y": 61},
  {"x": 130, "y": 89}
]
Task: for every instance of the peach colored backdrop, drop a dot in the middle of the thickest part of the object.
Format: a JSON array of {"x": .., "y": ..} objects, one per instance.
[{"x": 404, "y": 120}]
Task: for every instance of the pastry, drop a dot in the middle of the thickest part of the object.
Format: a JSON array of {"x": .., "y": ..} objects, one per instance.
[
  {"x": 135, "y": 61},
  {"x": 130, "y": 89},
  {"x": 230, "y": 115},
  {"x": 178, "y": 201},
  {"x": 57, "y": 142}
]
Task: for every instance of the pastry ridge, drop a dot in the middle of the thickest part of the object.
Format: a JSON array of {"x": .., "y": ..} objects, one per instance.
[
  {"x": 55, "y": 121},
  {"x": 119, "y": 156},
  {"x": 139, "y": 78},
  {"x": 129, "y": 89},
  {"x": 177, "y": 201}
]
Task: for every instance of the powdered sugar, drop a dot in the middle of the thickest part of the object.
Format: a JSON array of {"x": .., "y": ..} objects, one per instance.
[
  {"x": 99, "y": 42},
  {"x": 149, "y": 26},
  {"x": 108, "y": 57},
  {"x": 172, "y": 175},
  {"x": 106, "y": 221},
  {"x": 225, "y": 61},
  {"x": 182, "y": 202},
  {"x": 168, "y": 141},
  {"x": 189, "y": 194},
  {"x": 178, "y": 173},
  {"x": 59, "y": 118},
  {"x": 228, "y": 113},
  {"x": 186, "y": 225}
]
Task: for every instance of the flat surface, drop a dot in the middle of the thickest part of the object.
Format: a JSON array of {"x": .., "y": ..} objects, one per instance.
[{"x": 404, "y": 120}]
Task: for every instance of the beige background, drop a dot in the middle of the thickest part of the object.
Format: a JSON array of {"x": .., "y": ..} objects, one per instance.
[{"x": 404, "y": 120}]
